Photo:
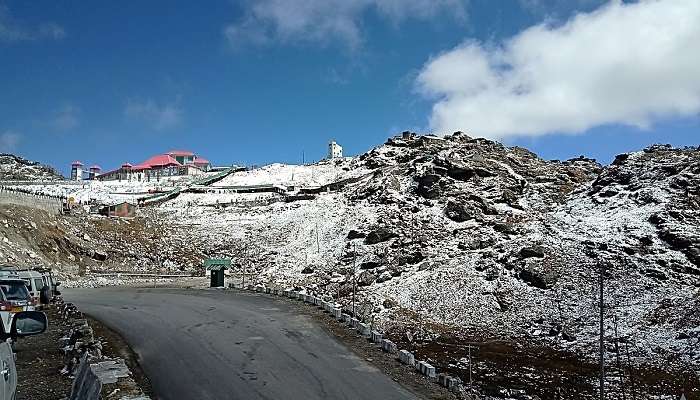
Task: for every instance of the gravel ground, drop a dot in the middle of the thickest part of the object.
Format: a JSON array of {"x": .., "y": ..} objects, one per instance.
[{"x": 39, "y": 362}]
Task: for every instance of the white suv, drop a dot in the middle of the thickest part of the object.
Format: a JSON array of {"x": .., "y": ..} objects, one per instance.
[{"x": 14, "y": 298}]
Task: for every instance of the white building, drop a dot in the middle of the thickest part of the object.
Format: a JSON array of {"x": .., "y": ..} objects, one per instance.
[
  {"x": 334, "y": 150},
  {"x": 76, "y": 171}
]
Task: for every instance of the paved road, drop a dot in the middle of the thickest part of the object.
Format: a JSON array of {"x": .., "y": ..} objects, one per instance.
[{"x": 220, "y": 345}]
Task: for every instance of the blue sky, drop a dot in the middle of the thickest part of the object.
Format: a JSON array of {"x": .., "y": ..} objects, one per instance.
[{"x": 260, "y": 82}]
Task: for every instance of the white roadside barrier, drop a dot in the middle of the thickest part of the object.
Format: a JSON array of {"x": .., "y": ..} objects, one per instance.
[
  {"x": 364, "y": 329},
  {"x": 406, "y": 357},
  {"x": 426, "y": 369},
  {"x": 376, "y": 337},
  {"x": 449, "y": 382},
  {"x": 389, "y": 346}
]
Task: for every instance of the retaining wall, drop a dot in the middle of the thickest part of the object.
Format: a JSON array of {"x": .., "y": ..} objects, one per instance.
[{"x": 53, "y": 205}]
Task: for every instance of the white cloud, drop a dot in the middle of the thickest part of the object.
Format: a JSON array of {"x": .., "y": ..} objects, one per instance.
[
  {"x": 323, "y": 21},
  {"x": 9, "y": 141},
  {"x": 66, "y": 118},
  {"x": 159, "y": 116},
  {"x": 623, "y": 63},
  {"x": 13, "y": 31}
]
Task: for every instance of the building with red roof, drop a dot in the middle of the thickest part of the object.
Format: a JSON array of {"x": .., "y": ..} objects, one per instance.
[{"x": 172, "y": 163}]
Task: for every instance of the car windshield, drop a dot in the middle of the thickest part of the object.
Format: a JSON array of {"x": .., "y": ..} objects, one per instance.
[{"x": 14, "y": 291}]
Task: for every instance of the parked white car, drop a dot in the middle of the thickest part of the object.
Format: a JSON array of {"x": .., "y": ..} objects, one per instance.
[
  {"x": 14, "y": 298},
  {"x": 25, "y": 323},
  {"x": 34, "y": 281}
]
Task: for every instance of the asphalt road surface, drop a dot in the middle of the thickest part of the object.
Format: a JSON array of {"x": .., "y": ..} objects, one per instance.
[{"x": 220, "y": 345}]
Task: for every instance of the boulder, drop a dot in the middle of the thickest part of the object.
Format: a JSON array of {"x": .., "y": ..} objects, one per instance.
[
  {"x": 385, "y": 276},
  {"x": 99, "y": 255},
  {"x": 533, "y": 278},
  {"x": 504, "y": 227},
  {"x": 353, "y": 234},
  {"x": 379, "y": 235},
  {"x": 411, "y": 258},
  {"x": 366, "y": 278},
  {"x": 483, "y": 204},
  {"x": 369, "y": 265},
  {"x": 460, "y": 212},
  {"x": 532, "y": 251},
  {"x": 428, "y": 186},
  {"x": 465, "y": 171}
]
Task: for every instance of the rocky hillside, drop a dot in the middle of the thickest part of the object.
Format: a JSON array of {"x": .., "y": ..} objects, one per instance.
[
  {"x": 79, "y": 246},
  {"x": 15, "y": 168},
  {"x": 450, "y": 242},
  {"x": 460, "y": 239}
]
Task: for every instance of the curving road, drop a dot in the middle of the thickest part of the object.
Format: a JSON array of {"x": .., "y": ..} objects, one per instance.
[{"x": 220, "y": 345}]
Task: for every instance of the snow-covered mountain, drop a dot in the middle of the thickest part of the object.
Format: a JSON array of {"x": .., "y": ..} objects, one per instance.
[
  {"x": 465, "y": 239},
  {"x": 15, "y": 168},
  {"x": 457, "y": 240}
]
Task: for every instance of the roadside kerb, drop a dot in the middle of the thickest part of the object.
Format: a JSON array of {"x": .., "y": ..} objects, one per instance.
[
  {"x": 426, "y": 369},
  {"x": 338, "y": 313},
  {"x": 406, "y": 357},
  {"x": 364, "y": 329},
  {"x": 449, "y": 382},
  {"x": 389, "y": 346}
]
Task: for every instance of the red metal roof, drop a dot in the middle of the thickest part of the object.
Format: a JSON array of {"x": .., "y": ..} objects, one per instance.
[
  {"x": 201, "y": 161},
  {"x": 163, "y": 160},
  {"x": 182, "y": 153},
  {"x": 126, "y": 165}
]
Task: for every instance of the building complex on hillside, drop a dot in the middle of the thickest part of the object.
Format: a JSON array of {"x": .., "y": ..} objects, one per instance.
[{"x": 172, "y": 163}]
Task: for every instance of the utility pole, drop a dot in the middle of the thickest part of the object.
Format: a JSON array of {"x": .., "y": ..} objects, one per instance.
[
  {"x": 354, "y": 278},
  {"x": 602, "y": 332},
  {"x": 471, "y": 387},
  {"x": 629, "y": 367},
  {"x": 318, "y": 245},
  {"x": 621, "y": 373},
  {"x": 244, "y": 261}
]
